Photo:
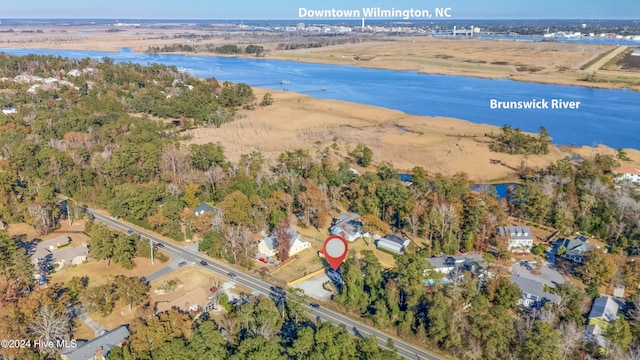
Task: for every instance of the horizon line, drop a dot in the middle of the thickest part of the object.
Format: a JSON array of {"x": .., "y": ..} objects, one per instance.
[{"x": 329, "y": 19}]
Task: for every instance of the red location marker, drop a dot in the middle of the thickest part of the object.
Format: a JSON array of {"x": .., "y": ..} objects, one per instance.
[{"x": 335, "y": 250}]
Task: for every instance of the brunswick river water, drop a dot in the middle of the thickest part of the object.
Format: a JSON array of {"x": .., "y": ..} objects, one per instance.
[{"x": 609, "y": 117}]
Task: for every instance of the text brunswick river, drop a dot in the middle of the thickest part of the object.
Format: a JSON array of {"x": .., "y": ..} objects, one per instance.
[
  {"x": 375, "y": 13},
  {"x": 541, "y": 104}
]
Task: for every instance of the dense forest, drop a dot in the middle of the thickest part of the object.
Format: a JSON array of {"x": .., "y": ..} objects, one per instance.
[{"x": 91, "y": 131}]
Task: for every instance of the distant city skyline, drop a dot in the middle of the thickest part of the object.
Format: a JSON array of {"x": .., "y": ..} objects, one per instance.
[{"x": 289, "y": 9}]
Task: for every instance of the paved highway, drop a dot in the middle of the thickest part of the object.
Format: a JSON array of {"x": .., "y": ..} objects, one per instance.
[{"x": 404, "y": 349}]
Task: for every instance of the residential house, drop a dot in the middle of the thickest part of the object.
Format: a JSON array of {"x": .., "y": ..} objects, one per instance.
[
  {"x": 626, "y": 173},
  {"x": 519, "y": 238},
  {"x": 71, "y": 255},
  {"x": 533, "y": 294},
  {"x": 448, "y": 264},
  {"x": 9, "y": 110},
  {"x": 44, "y": 249},
  {"x": 603, "y": 311},
  {"x": 349, "y": 227},
  {"x": 98, "y": 348},
  {"x": 196, "y": 300},
  {"x": 203, "y": 208},
  {"x": 56, "y": 250},
  {"x": 267, "y": 246},
  {"x": 574, "y": 249},
  {"x": 393, "y": 243}
]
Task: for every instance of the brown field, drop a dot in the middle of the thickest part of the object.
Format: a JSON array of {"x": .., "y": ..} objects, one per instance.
[
  {"x": 544, "y": 62},
  {"x": 440, "y": 145},
  {"x": 96, "y": 270}
]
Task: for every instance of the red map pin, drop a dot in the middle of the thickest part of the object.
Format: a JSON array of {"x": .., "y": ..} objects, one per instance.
[{"x": 335, "y": 250}]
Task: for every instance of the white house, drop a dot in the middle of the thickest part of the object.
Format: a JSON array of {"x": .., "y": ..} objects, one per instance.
[
  {"x": 267, "y": 247},
  {"x": 349, "y": 227},
  {"x": 447, "y": 264},
  {"x": 626, "y": 173},
  {"x": 393, "y": 243},
  {"x": 519, "y": 237}
]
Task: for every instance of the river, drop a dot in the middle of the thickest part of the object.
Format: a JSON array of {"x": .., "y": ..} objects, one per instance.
[{"x": 604, "y": 116}]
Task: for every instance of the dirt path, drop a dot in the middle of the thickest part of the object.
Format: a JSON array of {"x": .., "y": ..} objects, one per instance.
[{"x": 598, "y": 64}]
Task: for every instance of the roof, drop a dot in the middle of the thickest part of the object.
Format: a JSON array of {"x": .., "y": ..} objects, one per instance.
[
  {"x": 270, "y": 241},
  {"x": 396, "y": 239},
  {"x": 535, "y": 288},
  {"x": 390, "y": 246},
  {"x": 578, "y": 245},
  {"x": 53, "y": 242},
  {"x": 68, "y": 254},
  {"x": 346, "y": 224},
  {"x": 441, "y": 262},
  {"x": 107, "y": 342},
  {"x": 515, "y": 232},
  {"x": 196, "y": 297},
  {"x": 626, "y": 170},
  {"x": 393, "y": 243},
  {"x": 604, "y": 307},
  {"x": 204, "y": 207}
]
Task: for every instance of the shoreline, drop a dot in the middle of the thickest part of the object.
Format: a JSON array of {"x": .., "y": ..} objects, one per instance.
[{"x": 555, "y": 63}]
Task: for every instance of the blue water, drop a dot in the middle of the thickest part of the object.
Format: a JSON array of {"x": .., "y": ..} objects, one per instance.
[
  {"x": 610, "y": 117},
  {"x": 501, "y": 189}
]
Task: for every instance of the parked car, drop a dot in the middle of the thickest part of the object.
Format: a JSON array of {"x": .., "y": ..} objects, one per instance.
[
  {"x": 263, "y": 260},
  {"x": 182, "y": 263}
]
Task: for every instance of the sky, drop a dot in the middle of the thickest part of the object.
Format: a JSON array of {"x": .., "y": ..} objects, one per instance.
[{"x": 289, "y": 9}]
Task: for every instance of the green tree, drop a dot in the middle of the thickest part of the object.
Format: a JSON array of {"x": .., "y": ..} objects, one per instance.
[
  {"x": 101, "y": 245},
  {"x": 131, "y": 290},
  {"x": 206, "y": 342},
  {"x": 506, "y": 294},
  {"x": 542, "y": 343},
  {"x": 236, "y": 208},
  {"x": 598, "y": 267},
  {"x": 619, "y": 332},
  {"x": 362, "y": 155}
]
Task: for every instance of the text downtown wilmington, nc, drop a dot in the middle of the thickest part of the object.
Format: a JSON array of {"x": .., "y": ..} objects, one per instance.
[{"x": 375, "y": 13}]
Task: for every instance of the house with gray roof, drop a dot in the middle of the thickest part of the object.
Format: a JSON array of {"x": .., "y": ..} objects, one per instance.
[
  {"x": 348, "y": 226},
  {"x": 98, "y": 348},
  {"x": 575, "y": 249},
  {"x": 203, "y": 208},
  {"x": 393, "y": 243},
  {"x": 519, "y": 238},
  {"x": 448, "y": 264},
  {"x": 603, "y": 311},
  {"x": 533, "y": 294}
]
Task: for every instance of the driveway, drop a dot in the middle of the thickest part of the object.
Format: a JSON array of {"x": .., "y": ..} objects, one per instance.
[
  {"x": 548, "y": 274},
  {"x": 313, "y": 287}
]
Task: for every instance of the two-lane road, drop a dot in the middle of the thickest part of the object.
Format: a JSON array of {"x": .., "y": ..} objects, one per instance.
[{"x": 355, "y": 327}]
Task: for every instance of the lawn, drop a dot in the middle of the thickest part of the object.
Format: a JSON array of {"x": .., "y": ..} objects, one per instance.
[
  {"x": 95, "y": 269},
  {"x": 83, "y": 331}
]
